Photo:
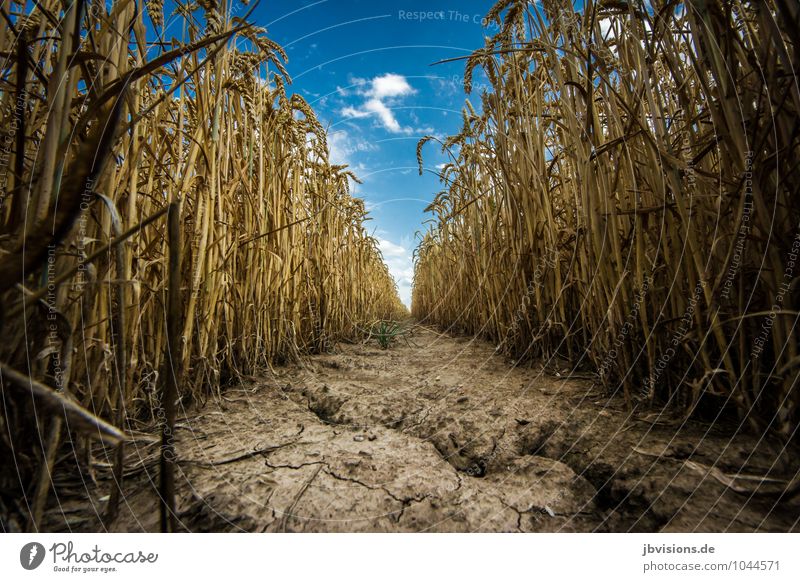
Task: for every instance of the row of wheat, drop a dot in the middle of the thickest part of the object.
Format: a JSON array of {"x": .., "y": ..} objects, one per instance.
[
  {"x": 627, "y": 198},
  {"x": 105, "y": 123}
]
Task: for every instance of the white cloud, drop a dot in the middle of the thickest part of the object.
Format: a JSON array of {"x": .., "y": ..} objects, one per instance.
[
  {"x": 389, "y": 249},
  {"x": 342, "y": 145},
  {"x": 385, "y": 114},
  {"x": 607, "y": 29},
  {"x": 352, "y": 112},
  {"x": 379, "y": 94},
  {"x": 401, "y": 266},
  {"x": 337, "y": 146},
  {"x": 390, "y": 85}
]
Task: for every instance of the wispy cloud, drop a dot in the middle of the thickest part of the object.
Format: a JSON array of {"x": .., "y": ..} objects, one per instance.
[{"x": 342, "y": 145}]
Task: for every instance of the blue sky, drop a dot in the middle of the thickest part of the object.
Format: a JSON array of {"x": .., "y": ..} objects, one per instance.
[{"x": 365, "y": 68}]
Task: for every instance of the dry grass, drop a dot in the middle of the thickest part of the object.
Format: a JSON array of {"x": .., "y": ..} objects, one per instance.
[
  {"x": 276, "y": 259},
  {"x": 603, "y": 206}
]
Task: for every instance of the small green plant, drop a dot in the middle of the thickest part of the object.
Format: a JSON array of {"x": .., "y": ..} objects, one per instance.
[{"x": 386, "y": 332}]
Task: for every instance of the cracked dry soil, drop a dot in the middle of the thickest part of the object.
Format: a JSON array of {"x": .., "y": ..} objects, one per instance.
[{"x": 445, "y": 435}]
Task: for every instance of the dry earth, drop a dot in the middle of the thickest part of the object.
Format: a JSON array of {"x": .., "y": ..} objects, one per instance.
[{"x": 442, "y": 434}]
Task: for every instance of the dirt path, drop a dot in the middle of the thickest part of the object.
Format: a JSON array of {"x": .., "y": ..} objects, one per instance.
[{"x": 444, "y": 435}]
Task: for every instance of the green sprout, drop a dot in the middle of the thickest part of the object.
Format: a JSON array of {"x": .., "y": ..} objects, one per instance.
[{"x": 386, "y": 332}]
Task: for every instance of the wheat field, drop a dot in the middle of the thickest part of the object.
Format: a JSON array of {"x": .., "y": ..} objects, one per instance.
[
  {"x": 621, "y": 206},
  {"x": 104, "y": 134},
  {"x": 627, "y": 199}
]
